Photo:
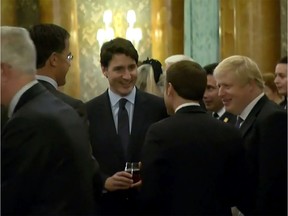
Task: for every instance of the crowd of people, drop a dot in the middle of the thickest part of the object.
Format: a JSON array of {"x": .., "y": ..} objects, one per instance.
[{"x": 210, "y": 140}]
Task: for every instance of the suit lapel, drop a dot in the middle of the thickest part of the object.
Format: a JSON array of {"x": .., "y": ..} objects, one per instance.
[
  {"x": 252, "y": 115},
  {"x": 228, "y": 118}
]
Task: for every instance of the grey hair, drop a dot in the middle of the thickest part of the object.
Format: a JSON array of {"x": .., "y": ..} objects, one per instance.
[
  {"x": 244, "y": 68},
  {"x": 17, "y": 49},
  {"x": 176, "y": 58}
]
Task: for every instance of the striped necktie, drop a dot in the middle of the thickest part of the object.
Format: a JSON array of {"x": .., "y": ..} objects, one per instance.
[{"x": 238, "y": 122}]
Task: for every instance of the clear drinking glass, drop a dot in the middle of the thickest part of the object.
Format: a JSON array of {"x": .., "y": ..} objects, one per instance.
[{"x": 134, "y": 169}]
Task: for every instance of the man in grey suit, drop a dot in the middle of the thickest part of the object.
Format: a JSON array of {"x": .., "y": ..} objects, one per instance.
[
  {"x": 119, "y": 64},
  {"x": 46, "y": 166},
  {"x": 192, "y": 163},
  {"x": 263, "y": 125}
]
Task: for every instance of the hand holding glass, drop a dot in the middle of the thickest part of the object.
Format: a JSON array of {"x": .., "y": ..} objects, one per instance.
[{"x": 134, "y": 169}]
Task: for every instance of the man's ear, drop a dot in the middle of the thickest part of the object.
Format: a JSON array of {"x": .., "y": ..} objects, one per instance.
[
  {"x": 104, "y": 71},
  {"x": 53, "y": 59},
  {"x": 169, "y": 89}
]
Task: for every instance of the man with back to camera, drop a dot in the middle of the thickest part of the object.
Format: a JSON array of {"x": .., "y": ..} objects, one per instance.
[
  {"x": 211, "y": 99},
  {"x": 263, "y": 125},
  {"x": 118, "y": 60},
  {"x": 188, "y": 166},
  {"x": 46, "y": 166},
  {"x": 281, "y": 80}
]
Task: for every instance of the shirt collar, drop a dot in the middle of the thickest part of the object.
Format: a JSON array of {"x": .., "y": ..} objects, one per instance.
[
  {"x": 221, "y": 111},
  {"x": 114, "y": 98},
  {"x": 186, "y": 104},
  {"x": 47, "y": 79},
  {"x": 250, "y": 106},
  {"x": 18, "y": 95}
]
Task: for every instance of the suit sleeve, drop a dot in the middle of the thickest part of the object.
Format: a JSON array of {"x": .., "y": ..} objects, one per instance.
[{"x": 272, "y": 190}]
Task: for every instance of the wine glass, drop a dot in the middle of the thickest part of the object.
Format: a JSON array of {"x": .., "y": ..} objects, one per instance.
[{"x": 134, "y": 169}]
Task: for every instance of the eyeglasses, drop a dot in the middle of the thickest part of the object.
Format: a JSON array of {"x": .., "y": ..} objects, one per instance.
[{"x": 69, "y": 57}]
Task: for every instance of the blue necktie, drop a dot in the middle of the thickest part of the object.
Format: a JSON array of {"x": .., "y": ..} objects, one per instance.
[
  {"x": 123, "y": 125},
  {"x": 238, "y": 122}
]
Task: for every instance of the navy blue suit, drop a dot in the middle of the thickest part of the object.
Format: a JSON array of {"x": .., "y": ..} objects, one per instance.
[
  {"x": 265, "y": 135},
  {"x": 106, "y": 145},
  {"x": 192, "y": 164}
]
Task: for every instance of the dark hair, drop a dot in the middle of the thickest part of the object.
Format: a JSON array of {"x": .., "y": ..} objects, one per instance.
[
  {"x": 269, "y": 81},
  {"x": 48, "y": 38},
  {"x": 157, "y": 68},
  {"x": 283, "y": 60},
  {"x": 188, "y": 79},
  {"x": 210, "y": 68},
  {"x": 117, "y": 46}
]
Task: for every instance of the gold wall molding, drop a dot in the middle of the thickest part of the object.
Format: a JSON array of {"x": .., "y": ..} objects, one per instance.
[
  {"x": 64, "y": 13},
  {"x": 251, "y": 28},
  {"x": 167, "y": 28}
]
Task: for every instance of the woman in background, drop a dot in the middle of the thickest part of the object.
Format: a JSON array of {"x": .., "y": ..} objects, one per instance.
[
  {"x": 270, "y": 88},
  {"x": 149, "y": 78}
]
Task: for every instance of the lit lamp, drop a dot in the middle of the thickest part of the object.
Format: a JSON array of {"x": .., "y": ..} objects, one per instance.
[
  {"x": 107, "y": 33},
  {"x": 133, "y": 34}
]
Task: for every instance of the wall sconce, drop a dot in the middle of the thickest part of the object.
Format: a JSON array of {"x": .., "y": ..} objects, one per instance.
[
  {"x": 133, "y": 34},
  {"x": 107, "y": 33}
]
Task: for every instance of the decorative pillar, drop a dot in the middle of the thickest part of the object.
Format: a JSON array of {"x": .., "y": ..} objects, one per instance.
[
  {"x": 251, "y": 28},
  {"x": 8, "y": 13},
  {"x": 167, "y": 17},
  {"x": 64, "y": 14}
]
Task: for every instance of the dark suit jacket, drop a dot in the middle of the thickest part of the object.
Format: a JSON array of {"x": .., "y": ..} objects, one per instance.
[
  {"x": 228, "y": 118},
  {"x": 46, "y": 168},
  {"x": 78, "y": 105},
  {"x": 106, "y": 143},
  {"x": 283, "y": 104},
  {"x": 4, "y": 116},
  {"x": 192, "y": 164},
  {"x": 265, "y": 134}
]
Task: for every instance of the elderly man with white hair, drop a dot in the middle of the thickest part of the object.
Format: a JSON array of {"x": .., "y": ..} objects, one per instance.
[{"x": 176, "y": 58}]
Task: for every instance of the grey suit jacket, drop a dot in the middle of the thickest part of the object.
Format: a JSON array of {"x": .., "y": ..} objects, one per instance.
[{"x": 46, "y": 166}]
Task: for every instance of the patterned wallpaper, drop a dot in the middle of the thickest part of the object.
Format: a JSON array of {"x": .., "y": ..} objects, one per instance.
[
  {"x": 201, "y": 31},
  {"x": 284, "y": 39},
  {"x": 90, "y": 19}
]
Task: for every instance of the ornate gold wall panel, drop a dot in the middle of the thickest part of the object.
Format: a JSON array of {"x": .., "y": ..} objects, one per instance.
[
  {"x": 167, "y": 31},
  {"x": 64, "y": 13},
  {"x": 8, "y": 12},
  {"x": 251, "y": 28}
]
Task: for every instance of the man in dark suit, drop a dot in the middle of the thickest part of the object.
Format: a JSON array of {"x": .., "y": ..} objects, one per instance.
[
  {"x": 192, "y": 164},
  {"x": 119, "y": 64},
  {"x": 281, "y": 80},
  {"x": 263, "y": 125},
  {"x": 46, "y": 166},
  {"x": 54, "y": 60},
  {"x": 211, "y": 99}
]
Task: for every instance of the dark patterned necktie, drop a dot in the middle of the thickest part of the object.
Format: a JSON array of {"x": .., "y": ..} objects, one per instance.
[
  {"x": 238, "y": 122},
  {"x": 215, "y": 115},
  {"x": 123, "y": 125}
]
